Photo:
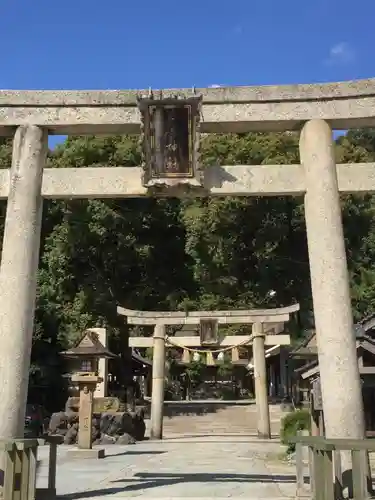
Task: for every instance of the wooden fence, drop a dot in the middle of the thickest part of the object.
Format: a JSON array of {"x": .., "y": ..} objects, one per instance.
[
  {"x": 324, "y": 460},
  {"x": 20, "y": 461}
]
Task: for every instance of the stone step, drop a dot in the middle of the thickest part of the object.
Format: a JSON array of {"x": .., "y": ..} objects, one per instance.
[{"x": 233, "y": 419}]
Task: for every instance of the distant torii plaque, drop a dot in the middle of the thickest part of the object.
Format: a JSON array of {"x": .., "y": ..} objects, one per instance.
[{"x": 208, "y": 329}]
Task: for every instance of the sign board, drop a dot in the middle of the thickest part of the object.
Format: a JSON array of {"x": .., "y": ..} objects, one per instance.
[
  {"x": 317, "y": 395},
  {"x": 170, "y": 137},
  {"x": 208, "y": 329}
]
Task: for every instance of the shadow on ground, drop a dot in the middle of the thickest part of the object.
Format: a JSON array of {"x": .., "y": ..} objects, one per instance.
[
  {"x": 146, "y": 481},
  {"x": 208, "y": 438},
  {"x": 135, "y": 452}
]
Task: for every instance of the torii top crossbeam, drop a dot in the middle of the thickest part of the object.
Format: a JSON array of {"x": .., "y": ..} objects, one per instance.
[
  {"x": 272, "y": 319},
  {"x": 246, "y": 316},
  {"x": 226, "y": 109}
]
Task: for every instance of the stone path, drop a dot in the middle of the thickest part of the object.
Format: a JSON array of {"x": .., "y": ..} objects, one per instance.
[
  {"x": 176, "y": 468},
  {"x": 236, "y": 419}
]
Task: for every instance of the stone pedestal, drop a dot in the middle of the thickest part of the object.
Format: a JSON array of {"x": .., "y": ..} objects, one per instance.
[
  {"x": 260, "y": 380},
  {"x": 87, "y": 383},
  {"x": 92, "y": 453},
  {"x": 158, "y": 371}
]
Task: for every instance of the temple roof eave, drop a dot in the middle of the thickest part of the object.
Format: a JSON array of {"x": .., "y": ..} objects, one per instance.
[{"x": 80, "y": 352}]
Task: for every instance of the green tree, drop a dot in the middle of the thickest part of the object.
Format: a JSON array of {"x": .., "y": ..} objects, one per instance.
[{"x": 185, "y": 254}]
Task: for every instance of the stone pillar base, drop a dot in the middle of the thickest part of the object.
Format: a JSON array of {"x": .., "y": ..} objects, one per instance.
[
  {"x": 266, "y": 437},
  {"x": 155, "y": 436},
  {"x": 45, "y": 493},
  {"x": 82, "y": 453}
]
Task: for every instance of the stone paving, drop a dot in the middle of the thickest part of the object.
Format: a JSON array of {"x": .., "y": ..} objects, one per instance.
[
  {"x": 239, "y": 419},
  {"x": 176, "y": 468}
]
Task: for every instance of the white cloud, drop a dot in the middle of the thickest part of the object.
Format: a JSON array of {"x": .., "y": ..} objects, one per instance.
[
  {"x": 341, "y": 53},
  {"x": 214, "y": 86}
]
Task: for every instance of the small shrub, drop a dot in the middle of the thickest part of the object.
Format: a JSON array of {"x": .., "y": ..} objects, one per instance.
[
  {"x": 293, "y": 422},
  {"x": 173, "y": 391}
]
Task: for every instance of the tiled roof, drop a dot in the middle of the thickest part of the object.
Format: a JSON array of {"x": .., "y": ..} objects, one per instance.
[
  {"x": 308, "y": 343},
  {"x": 140, "y": 359},
  {"x": 89, "y": 345}
]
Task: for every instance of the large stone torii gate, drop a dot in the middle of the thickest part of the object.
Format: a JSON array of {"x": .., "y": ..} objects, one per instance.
[
  {"x": 267, "y": 325},
  {"x": 314, "y": 109}
]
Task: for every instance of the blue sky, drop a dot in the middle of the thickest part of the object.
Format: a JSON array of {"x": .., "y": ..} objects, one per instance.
[{"x": 117, "y": 44}]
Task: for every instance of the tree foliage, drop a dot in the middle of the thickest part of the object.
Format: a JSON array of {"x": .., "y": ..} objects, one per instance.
[{"x": 183, "y": 254}]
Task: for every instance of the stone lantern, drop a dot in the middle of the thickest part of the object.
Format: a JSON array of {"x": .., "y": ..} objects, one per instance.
[{"x": 88, "y": 353}]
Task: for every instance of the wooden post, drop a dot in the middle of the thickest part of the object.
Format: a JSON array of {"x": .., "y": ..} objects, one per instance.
[
  {"x": 52, "y": 466},
  {"x": 20, "y": 459},
  {"x": 359, "y": 475},
  {"x": 9, "y": 472},
  {"x": 25, "y": 472},
  {"x": 300, "y": 480}
]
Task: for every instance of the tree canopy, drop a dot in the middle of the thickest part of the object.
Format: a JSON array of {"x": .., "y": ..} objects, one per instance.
[{"x": 168, "y": 254}]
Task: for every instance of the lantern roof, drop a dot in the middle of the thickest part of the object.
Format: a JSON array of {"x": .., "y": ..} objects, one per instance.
[{"x": 89, "y": 346}]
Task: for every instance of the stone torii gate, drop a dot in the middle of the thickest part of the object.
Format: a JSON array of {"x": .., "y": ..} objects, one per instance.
[
  {"x": 314, "y": 110},
  {"x": 267, "y": 325}
]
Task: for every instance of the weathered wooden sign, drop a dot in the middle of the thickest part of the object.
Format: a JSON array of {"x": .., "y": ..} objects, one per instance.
[
  {"x": 170, "y": 137},
  {"x": 208, "y": 329},
  {"x": 317, "y": 395}
]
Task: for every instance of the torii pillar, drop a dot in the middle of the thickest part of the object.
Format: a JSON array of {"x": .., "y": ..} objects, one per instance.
[
  {"x": 18, "y": 274},
  {"x": 338, "y": 365},
  {"x": 158, "y": 373},
  {"x": 260, "y": 382}
]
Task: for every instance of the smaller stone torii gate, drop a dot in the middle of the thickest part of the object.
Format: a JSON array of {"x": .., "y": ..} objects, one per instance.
[{"x": 267, "y": 328}]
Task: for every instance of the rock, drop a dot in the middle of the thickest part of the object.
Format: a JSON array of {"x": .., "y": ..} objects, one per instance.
[
  {"x": 139, "y": 428},
  {"x": 115, "y": 424},
  {"x": 119, "y": 423},
  {"x": 57, "y": 421},
  {"x": 105, "y": 439},
  {"x": 105, "y": 422},
  {"x": 107, "y": 427},
  {"x": 96, "y": 420},
  {"x": 72, "y": 418},
  {"x": 138, "y": 425},
  {"x": 140, "y": 413},
  {"x": 125, "y": 439},
  {"x": 95, "y": 433},
  {"x": 71, "y": 436},
  {"x": 72, "y": 405},
  {"x": 61, "y": 432}
]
